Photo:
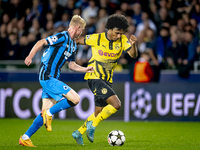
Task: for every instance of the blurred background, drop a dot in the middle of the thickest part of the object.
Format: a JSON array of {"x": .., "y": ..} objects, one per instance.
[{"x": 162, "y": 81}]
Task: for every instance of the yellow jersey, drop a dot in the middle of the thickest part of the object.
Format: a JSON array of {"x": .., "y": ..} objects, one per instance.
[{"x": 105, "y": 55}]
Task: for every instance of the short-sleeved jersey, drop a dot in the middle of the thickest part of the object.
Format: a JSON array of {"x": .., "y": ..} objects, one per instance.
[
  {"x": 105, "y": 55},
  {"x": 61, "y": 48}
]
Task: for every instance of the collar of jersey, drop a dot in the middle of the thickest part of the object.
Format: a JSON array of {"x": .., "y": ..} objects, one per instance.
[{"x": 107, "y": 37}]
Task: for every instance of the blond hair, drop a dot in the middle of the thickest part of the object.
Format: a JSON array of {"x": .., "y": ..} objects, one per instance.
[{"x": 77, "y": 21}]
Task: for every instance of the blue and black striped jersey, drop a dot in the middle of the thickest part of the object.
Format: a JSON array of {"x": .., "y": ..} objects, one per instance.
[{"x": 61, "y": 48}]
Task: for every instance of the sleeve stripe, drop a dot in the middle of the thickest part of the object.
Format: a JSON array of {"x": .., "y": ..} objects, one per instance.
[
  {"x": 50, "y": 41},
  {"x": 128, "y": 49},
  {"x": 47, "y": 41},
  {"x": 85, "y": 40},
  {"x": 98, "y": 42}
]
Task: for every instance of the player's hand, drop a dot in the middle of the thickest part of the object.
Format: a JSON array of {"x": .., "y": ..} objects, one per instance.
[
  {"x": 90, "y": 69},
  {"x": 132, "y": 39},
  {"x": 28, "y": 61}
]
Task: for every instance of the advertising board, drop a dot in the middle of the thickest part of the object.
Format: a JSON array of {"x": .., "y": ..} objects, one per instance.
[{"x": 155, "y": 101}]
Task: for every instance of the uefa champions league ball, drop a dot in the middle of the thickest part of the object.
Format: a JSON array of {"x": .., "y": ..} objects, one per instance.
[{"x": 116, "y": 138}]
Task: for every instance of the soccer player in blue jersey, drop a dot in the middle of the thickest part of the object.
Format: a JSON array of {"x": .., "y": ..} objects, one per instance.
[{"x": 56, "y": 95}]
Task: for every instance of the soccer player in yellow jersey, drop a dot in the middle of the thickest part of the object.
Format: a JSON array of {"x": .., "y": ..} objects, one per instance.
[{"x": 107, "y": 48}]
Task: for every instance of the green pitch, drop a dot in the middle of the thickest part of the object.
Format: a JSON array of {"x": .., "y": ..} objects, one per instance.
[{"x": 139, "y": 135}]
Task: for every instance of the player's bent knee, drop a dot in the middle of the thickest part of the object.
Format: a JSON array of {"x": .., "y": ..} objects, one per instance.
[
  {"x": 73, "y": 97},
  {"x": 115, "y": 102},
  {"x": 118, "y": 106},
  {"x": 77, "y": 100}
]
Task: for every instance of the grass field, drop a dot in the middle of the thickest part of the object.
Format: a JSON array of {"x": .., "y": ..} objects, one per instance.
[{"x": 139, "y": 135}]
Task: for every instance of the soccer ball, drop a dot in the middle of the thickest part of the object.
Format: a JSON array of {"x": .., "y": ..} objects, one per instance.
[{"x": 116, "y": 138}]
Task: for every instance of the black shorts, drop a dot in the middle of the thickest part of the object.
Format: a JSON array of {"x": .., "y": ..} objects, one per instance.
[{"x": 102, "y": 90}]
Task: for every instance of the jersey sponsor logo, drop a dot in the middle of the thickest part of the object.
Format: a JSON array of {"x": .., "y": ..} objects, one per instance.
[
  {"x": 101, "y": 53},
  {"x": 104, "y": 90}
]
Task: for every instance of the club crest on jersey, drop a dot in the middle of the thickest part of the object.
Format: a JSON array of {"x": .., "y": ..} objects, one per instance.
[
  {"x": 104, "y": 90},
  {"x": 117, "y": 46},
  {"x": 73, "y": 49},
  {"x": 95, "y": 92},
  {"x": 65, "y": 87}
]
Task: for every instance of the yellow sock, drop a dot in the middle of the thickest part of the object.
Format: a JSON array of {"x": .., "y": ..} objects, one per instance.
[
  {"x": 104, "y": 114},
  {"x": 83, "y": 128}
]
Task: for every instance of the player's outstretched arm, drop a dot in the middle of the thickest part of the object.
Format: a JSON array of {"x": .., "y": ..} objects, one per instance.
[
  {"x": 75, "y": 67},
  {"x": 133, "y": 51},
  {"x": 33, "y": 51}
]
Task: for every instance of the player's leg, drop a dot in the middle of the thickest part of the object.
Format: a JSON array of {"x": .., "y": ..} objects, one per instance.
[
  {"x": 37, "y": 123},
  {"x": 83, "y": 128},
  {"x": 77, "y": 135},
  {"x": 69, "y": 100},
  {"x": 106, "y": 112},
  {"x": 105, "y": 98},
  {"x": 48, "y": 103},
  {"x": 65, "y": 97},
  {"x": 113, "y": 105}
]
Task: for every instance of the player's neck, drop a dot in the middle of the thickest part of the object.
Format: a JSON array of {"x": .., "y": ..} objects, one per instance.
[
  {"x": 108, "y": 35},
  {"x": 71, "y": 32}
]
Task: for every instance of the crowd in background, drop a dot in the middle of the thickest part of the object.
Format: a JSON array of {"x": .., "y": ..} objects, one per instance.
[{"x": 167, "y": 30}]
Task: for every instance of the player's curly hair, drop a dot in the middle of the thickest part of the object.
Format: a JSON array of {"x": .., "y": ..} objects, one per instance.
[{"x": 117, "y": 21}]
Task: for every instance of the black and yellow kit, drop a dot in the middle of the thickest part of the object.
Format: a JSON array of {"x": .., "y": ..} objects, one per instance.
[{"x": 105, "y": 56}]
